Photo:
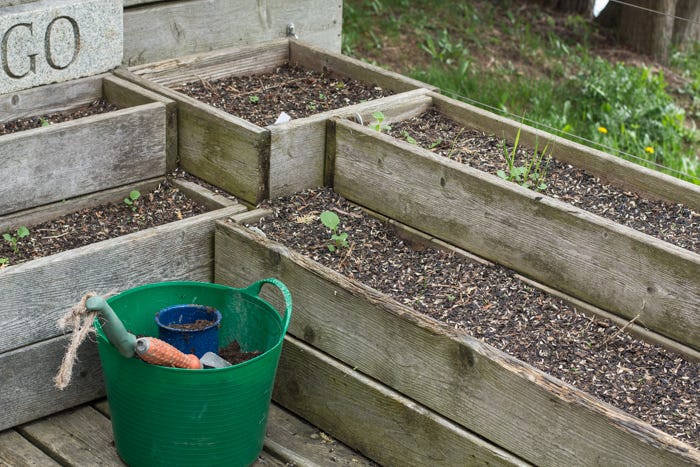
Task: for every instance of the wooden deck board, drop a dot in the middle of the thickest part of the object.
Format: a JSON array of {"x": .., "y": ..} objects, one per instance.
[{"x": 83, "y": 436}]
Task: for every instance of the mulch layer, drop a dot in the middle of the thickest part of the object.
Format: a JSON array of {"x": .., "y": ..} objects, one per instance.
[
  {"x": 261, "y": 98},
  {"x": 673, "y": 223},
  {"x": 490, "y": 303},
  {"x": 90, "y": 225},
  {"x": 96, "y": 107}
]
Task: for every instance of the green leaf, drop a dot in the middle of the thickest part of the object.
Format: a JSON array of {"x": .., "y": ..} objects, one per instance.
[
  {"x": 134, "y": 195},
  {"x": 8, "y": 237},
  {"x": 331, "y": 248},
  {"x": 502, "y": 174},
  {"x": 330, "y": 219},
  {"x": 22, "y": 232}
]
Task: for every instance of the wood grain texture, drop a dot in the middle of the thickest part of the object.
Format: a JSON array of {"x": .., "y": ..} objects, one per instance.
[
  {"x": 298, "y": 147},
  {"x": 49, "y": 98},
  {"x": 16, "y": 451},
  {"x": 81, "y": 156},
  {"x": 321, "y": 59},
  {"x": 609, "y": 168},
  {"x": 175, "y": 29},
  {"x": 27, "y": 389},
  {"x": 126, "y": 94},
  {"x": 325, "y": 391},
  {"x": 596, "y": 260},
  {"x": 37, "y": 293},
  {"x": 232, "y": 61},
  {"x": 79, "y": 437},
  {"x": 531, "y": 414}
]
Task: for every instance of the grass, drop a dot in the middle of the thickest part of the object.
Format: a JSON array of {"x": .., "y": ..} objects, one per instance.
[{"x": 560, "y": 72}]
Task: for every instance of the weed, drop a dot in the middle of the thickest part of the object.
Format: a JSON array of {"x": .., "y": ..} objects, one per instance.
[
  {"x": 408, "y": 137},
  {"x": 43, "y": 121},
  {"x": 339, "y": 239},
  {"x": 253, "y": 99},
  {"x": 378, "y": 123},
  {"x": 532, "y": 174},
  {"x": 131, "y": 199},
  {"x": 4, "y": 262},
  {"x": 14, "y": 239}
]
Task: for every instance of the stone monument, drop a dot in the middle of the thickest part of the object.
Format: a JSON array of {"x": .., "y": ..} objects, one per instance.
[{"x": 48, "y": 41}]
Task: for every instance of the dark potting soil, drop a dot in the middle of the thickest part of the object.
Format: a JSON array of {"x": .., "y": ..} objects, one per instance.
[
  {"x": 90, "y": 225},
  {"x": 197, "y": 325},
  {"x": 672, "y": 223},
  {"x": 492, "y": 304},
  {"x": 96, "y": 107},
  {"x": 261, "y": 98},
  {"x": 233, "y": 354}
]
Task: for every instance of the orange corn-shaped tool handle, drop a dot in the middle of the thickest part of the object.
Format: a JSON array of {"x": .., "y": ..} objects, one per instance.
[{"x": 158, "y": 352}]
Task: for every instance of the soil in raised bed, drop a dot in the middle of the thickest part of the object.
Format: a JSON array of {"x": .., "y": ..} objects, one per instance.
[
  {"x": 492, "y": 304},
  {"x": 98, "y": 106},
  {"x": 261, "y": 98},
  {"x": 673, "y": 223},
  {"x": 90, "y": 225}
]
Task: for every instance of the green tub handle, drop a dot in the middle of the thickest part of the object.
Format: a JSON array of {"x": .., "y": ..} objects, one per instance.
[
  {"x": 254, "y": 289},
  {"x": 112, "y": 326}
]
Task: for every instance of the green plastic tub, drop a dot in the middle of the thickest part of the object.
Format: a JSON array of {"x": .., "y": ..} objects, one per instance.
[{"x": 178, "y": 417}]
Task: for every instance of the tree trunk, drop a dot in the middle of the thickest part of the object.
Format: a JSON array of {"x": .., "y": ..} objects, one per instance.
[
  {"x": 687, "y": 31},
  {"x": 645, "y": 31}
]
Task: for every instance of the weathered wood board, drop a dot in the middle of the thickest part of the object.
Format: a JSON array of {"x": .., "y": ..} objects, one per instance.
[
  {"x": 531, "y": 414},
  {"x": 177, "y": 28},
  {"x": 249, "y": 161},
  {"x": 16, "y": 450},
  {"x": 596, "y": 260},
  {"x": 324, "y": 391},
  {"x": 37, "y": 293},
  {"x": 68, "y": 159}
]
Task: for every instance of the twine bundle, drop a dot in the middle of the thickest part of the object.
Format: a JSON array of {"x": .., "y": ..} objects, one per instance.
[{"x": 79, "y": 321}]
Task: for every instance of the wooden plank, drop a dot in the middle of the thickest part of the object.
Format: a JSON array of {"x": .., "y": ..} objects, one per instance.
[
  {"x": 27, "y": 389},
  {"x": 79, "y": 437},
  {"x": 615, "y": 170},
  {"x": 174, "y": 29},
  {"x": 204, "y": 196},
  {"x": 37, "y": 293},
  {"x": 126, "y": 94},
  {"x": 81, "y": 156},
  {"x": 234, "y": 61},
  {"x": 324, "y": 391},
  {"x": 317, "y": 58},
  {"x": 47, "y": 212},
  {"x": 217, "y": 147},
  {"x": 16, "y": 451},
  {"x": 50, "y": 98},
  {"x": 298, "y": 147},
  {"x": 531, "y": 414},
  {"x": 596, "y": 260}
]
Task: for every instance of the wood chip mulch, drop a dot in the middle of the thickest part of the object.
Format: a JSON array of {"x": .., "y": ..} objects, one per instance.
[
  {"x": 490, "y": 303},
  {"x": 300, "y": 93},
  {"x": 673, "y": 223},
  {"x": 96, "y": 107}
]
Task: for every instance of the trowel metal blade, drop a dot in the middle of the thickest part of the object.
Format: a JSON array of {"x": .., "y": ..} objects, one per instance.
[{"x": 211, "y": 360}]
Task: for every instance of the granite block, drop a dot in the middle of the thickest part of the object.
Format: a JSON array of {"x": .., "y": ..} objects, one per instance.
[{"x": 47, "y": 41}]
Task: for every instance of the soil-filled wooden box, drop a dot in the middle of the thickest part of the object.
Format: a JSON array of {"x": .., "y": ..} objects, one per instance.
[
  {"x": 605, "y": 264},
  {"x": 36, "y": 293},
  {"x": 362, "y": 367},
  {"x": 247, "y": 160},
  {"x": 68, "y": 159}
]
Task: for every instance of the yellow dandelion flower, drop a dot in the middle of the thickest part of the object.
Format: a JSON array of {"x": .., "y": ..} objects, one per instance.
[
  {"x": 603, "y": 130},
  {"x": 649, "y": 149}
]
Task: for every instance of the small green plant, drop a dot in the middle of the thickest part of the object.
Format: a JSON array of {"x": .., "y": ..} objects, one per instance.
[
  {"x": 378, "y": 123},
  {"x": 131, "y": 199},
  {"x": 43, "y": 121},
  {"x": 253, "y": 99},
  {"x": 4, "y": 262},
  {"x": 14, "y": 239},
  {"x": 408, "y": 137},
  {"x": 339, "y": 239},
  {"x": 533, "y": 173}
]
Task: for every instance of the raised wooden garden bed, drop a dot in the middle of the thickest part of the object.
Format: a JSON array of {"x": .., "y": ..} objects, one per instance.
[
  {"x": 600, "y": 262},
  {"x": 247, "y": 160},
  {"x": 64, "y": 160},
  {"x": 355, "y": 354}
]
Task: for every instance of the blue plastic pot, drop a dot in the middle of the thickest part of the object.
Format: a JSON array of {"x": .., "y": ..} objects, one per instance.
[{"x": 172, "y": 322}]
